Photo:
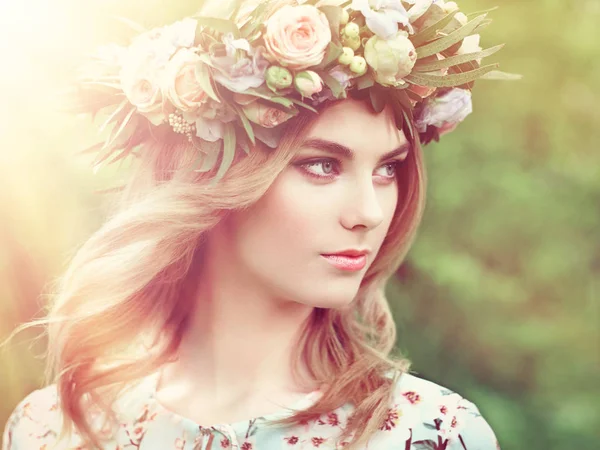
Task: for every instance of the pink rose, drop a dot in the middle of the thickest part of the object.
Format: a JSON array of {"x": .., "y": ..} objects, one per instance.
[
  {"x": 297, "y": 36},
  {"x": 180, "y": 82},
  {"x": 264, "y": 115}
]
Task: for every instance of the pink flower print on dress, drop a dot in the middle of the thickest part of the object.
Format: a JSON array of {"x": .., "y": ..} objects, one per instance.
[
  {"x": 317, "y": 441},
  {"x": 291, "y": 440},
  {"x": 391, "y": 420},
  {"x": 412, "y": 397},
  {"x": 332, "y": 420}
]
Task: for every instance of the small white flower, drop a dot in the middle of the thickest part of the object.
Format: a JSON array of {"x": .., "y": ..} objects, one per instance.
[{"x": 383, "y": 16}]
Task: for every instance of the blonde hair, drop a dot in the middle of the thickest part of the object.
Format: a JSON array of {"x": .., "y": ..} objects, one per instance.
[{"x": 130, "y": 287}]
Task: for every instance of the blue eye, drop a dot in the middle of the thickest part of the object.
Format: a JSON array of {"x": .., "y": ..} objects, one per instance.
[
  {"x": 390, "y": 169},
  {"x": 326, "y": 166}
]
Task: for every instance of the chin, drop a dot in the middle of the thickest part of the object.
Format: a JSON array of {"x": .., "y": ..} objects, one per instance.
[{"x": 339, "y": 298}]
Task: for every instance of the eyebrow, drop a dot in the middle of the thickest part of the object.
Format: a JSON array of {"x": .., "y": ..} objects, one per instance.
[{"x": 347, "y": 152}]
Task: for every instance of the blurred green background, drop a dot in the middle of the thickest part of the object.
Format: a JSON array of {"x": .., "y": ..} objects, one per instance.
[{"x": 498, "y": 299}]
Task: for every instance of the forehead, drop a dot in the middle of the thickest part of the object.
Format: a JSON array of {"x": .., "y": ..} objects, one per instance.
[{"x": 354, "y": 124}]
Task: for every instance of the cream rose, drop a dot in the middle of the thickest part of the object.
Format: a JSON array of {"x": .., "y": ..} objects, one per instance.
[
  {"x": 264, "y": 115},
  {"x": 180, "y": 83},
  {"x": 391, "y": 59},
  {"x": 140, "y": 80},
  {"x": 297, "y": 36}
]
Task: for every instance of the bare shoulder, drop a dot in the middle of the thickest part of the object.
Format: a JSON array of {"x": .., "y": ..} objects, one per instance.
[
  {"x": 35, "y": 421},
  {"x": 436, "y": 417}
]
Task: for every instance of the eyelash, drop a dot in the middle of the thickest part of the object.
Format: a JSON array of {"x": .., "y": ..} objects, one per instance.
[{"x": 305, "y": 164}]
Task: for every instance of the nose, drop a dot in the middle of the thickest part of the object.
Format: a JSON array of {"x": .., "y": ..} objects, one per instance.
[{"x": 363, "y": 207}]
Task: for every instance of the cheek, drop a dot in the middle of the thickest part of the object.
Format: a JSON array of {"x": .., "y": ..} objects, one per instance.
[{"x": 289, "y": 221}]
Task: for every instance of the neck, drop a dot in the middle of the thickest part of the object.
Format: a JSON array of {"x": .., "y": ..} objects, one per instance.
[{"x": 239, "y": 340}]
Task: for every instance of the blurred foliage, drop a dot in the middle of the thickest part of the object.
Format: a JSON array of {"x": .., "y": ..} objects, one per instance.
[{"x": 498, "y": 299}]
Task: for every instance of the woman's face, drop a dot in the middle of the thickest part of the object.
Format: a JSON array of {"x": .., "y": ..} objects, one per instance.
[{"x": 338, "y": 194}]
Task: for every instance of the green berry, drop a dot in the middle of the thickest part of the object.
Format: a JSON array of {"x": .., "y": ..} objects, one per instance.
[
  {"x": 353, "y": 43},
  {"x": 278, "y": 77},
  {"x": 346, "y": 57},
  {"x": 352, "y": 30},
  {"x": 358, "y": 65}
]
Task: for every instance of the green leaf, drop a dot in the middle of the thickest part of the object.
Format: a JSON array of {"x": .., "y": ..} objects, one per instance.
[
  {"x": 462, "y": 68},
  {"x": 112, "y": 139},
  {"x": 113, "y": 115},
  {"x": 302, "y": 104},
  {"x": 283, "y": 101},
  {"x": 205, "y": 58},
  {"x": 378, "y": 98},
  {"x": 274, "y": 99},
  {"x": 499, "y": 75},
  {"x": 422, "y": 79},
  {"x": 228, "y": 151},
  {"x": 482, "y": 11},
  {"x": 336, "y": 88},
  {"x": 242, "y": 142},
  {"x": 332, "y": 53},
  {"x": 254, "y": 21},
  {"x": 205, "y": 81},
  {"x": 364, "y": 82},
  {"x": 402, "y": 98},
  {"x": 334, "y": 16},
  {"x": 442, "y": 44},
  {"x": 217, "y": 24},
  {"x": 455, "y": 60},
  {"x": 430, "y": 32},
  {"x": 269, "y": 136},
  {"x": 208, "y": 159},
  {"x": 246, "y": 123}
]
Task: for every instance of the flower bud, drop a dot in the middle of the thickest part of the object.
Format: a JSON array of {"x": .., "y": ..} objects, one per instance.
[
  {"x": 346, "y": 57},
  {"x": 278, "y": 77},
  {"x": 308, "y": 83},
  {"x": 358, "y": 65},
  {"x": 352, "y": 30},
  {"x": 345, "y": 17}
]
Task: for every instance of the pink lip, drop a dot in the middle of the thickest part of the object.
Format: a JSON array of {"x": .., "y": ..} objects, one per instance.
[{"x": 346, "y": 262}]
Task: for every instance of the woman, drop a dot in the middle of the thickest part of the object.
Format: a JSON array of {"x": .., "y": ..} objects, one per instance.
[{"x": 235, "y": 297}]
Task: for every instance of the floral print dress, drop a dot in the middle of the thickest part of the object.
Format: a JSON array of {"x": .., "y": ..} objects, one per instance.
[{"x": 422, "y": 416}]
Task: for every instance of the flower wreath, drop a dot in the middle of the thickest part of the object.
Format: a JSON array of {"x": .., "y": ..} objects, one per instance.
[{"x": 224, "y": 83}]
